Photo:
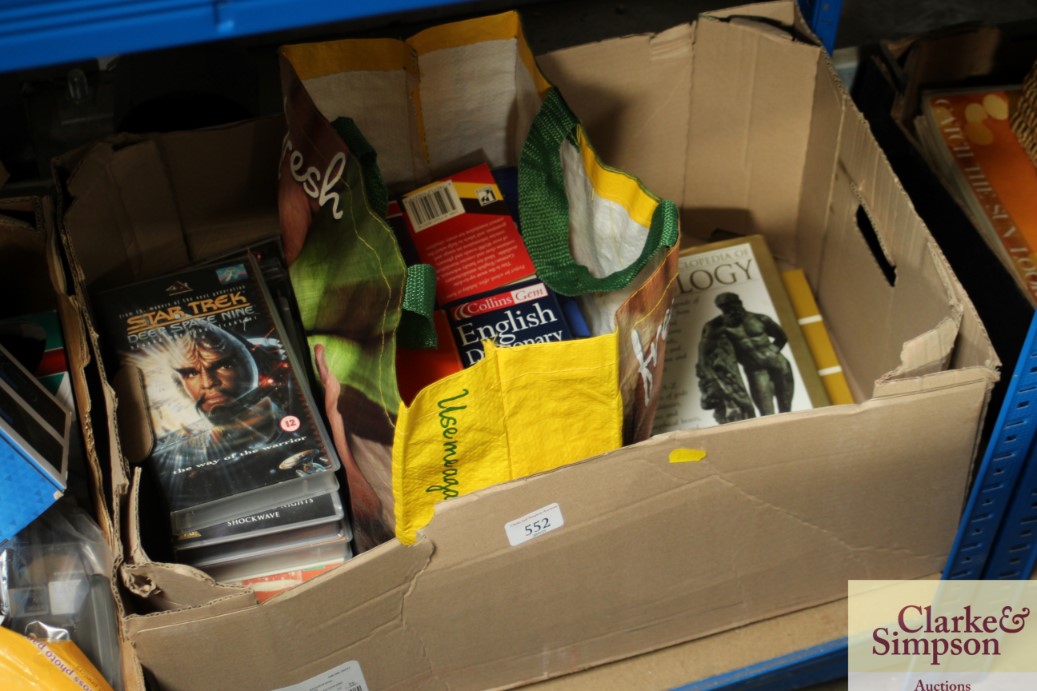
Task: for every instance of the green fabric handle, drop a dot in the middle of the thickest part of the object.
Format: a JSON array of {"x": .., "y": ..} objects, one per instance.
[
  {"x": 417, "y": 328},
  {"x": 544, "y": 209}
]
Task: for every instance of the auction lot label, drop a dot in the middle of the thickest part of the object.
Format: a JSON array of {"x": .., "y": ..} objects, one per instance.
[{"x": 942, "y": 635}]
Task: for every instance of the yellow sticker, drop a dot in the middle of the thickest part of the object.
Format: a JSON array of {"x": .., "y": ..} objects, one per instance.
[{"x": 686, "y": 455}]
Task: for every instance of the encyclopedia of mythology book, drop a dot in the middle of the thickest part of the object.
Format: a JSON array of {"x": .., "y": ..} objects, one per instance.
[
  {"x": 734, "y": 349},
  {"x": 233, "y": 426}
]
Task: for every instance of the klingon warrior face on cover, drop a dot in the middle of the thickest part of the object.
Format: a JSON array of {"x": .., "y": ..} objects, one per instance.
[
  {"x": 200, "y": 373},
  {"x": 214, "y": 369}
]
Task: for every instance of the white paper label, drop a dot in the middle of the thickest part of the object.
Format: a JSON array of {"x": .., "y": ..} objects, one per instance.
[
  {"x": 433, "y": 205},
  {"x": 534, "y": 524},
  {"x": 66, "y": 595},
  {"x": 345, "y": 677}
]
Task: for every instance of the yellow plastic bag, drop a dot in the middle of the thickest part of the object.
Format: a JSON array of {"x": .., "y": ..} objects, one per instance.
[
  {"x": 34, "y": 665},
  {"x": 520, "y": 411}
]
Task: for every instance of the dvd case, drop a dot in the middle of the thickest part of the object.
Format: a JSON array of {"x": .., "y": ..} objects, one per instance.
[
  {"x": 303, "y": 513},
  {"x": 234, "y": 427},
  {"x": 289, "y": 559},
  {"x": 264, "y": 545}
]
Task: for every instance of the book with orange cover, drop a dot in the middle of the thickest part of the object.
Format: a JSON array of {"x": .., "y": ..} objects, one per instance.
[{"x": 968, "y": 135}]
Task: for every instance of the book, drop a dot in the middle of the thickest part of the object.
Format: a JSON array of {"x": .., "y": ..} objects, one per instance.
[
  {"x": 733, "y": 348},
  {"x": 416, "y": 368},
  {"x": 35, "y": 340},
  {"x": 808, "y": 314},
  {"x": 267, "y": 586},
  {"x": 462, "y": 226},
  {"x": 517, "y": 314},
  {"x": 968, "y": 139},
  {"x": 233, "y": 425}
]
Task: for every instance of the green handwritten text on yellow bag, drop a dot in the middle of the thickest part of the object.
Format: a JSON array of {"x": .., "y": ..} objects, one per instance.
[{"x": 520, "y": 411}]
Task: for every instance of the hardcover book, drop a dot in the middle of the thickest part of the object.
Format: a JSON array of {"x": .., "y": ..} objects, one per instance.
[
  {"x": 525, "y": 312},
  {"x": 968, "y": 139},
  {"x": 37, "y": 342},
  {"x": 733, "y": 348},
  {"x": 233, "y": 426},
  {"x": 416, "y": 368}
]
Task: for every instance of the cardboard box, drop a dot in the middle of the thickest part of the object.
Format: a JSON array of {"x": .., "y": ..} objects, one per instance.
[
  {"x": 34, "y": 278},
  {"x": 749, "y": 130},
  {"x": 887, "y": 89}
]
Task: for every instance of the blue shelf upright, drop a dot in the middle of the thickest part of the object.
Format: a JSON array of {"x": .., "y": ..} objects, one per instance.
[
  {"x": 995, "y": 536},
  {"x": 823, "y": 17},
  {"x": 1014, "y": 552}
]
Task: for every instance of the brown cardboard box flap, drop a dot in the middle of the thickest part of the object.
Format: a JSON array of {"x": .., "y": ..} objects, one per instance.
[{"x": 355, "y": 612}]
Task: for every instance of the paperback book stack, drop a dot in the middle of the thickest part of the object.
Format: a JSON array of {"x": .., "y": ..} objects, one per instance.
[{"x": 241, "y": 458}]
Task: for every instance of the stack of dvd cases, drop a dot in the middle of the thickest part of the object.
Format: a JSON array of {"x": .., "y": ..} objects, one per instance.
[{"x": 238, "y": 451}]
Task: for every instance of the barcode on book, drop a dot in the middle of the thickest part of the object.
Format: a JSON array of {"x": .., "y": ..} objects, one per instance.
[{"x": 432, "y": 205}]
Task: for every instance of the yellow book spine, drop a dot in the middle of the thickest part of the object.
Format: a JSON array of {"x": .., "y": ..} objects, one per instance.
[{"x": 816, "y": 334}]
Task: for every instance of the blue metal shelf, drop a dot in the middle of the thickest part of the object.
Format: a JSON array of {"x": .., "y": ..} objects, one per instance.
[
  {"x": 823, "y": 17},
  {"x": 36, "y": 33},
  {"x": 1014, "y": 552},
  {"x": 807, "y": 667},
  {"x": 995, "y": 527}
]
